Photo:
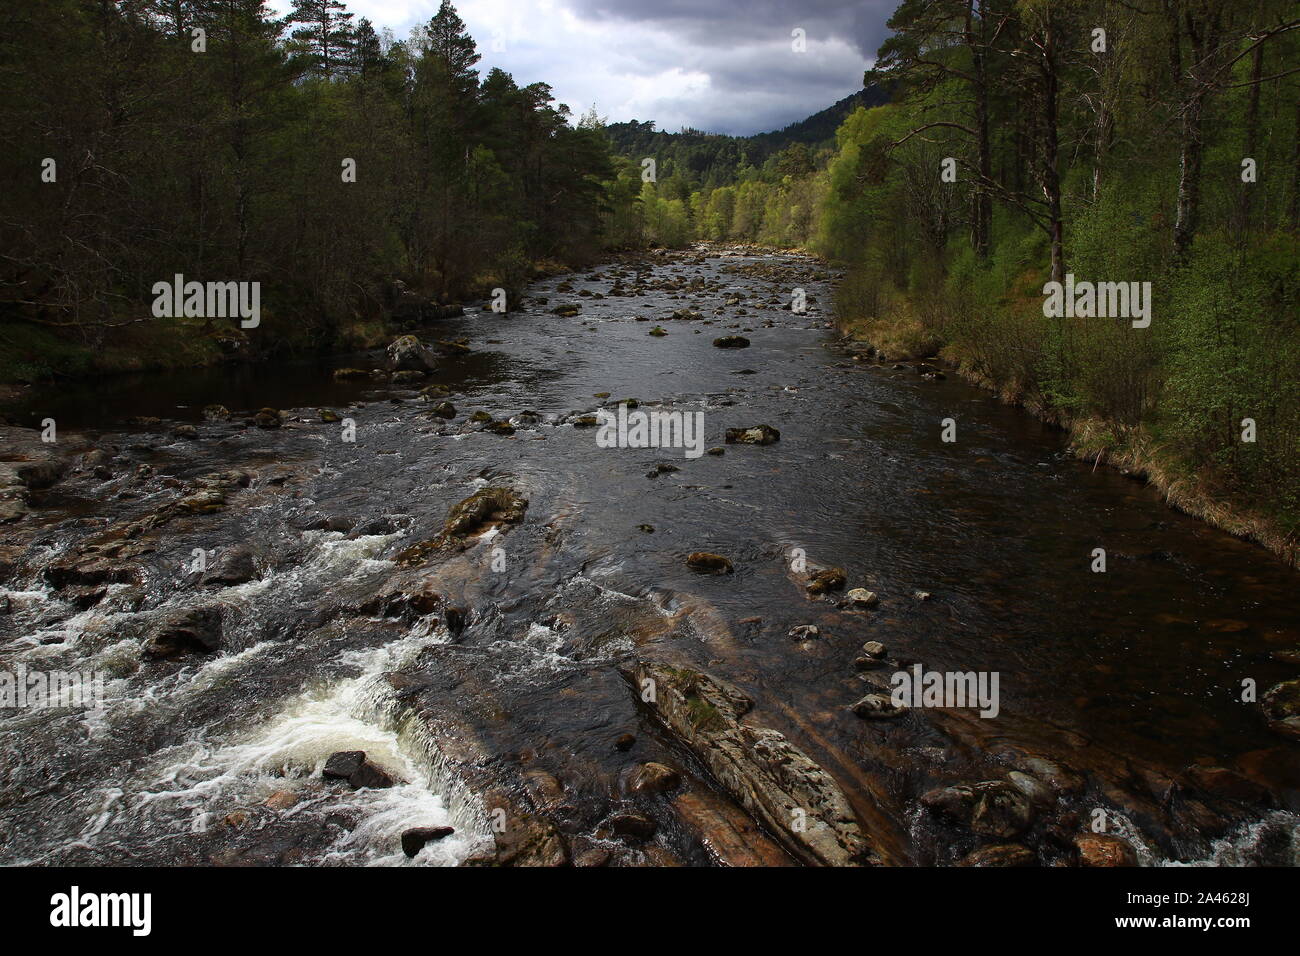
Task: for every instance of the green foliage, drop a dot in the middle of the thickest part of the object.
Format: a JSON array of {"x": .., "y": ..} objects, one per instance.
[
  {"x": 227, "y": 165},
  {"x": 1149, "y": 165}
]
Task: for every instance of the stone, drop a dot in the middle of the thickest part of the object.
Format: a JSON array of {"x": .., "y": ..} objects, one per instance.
[
  {"x": 1281, "y": 707},
  {"x": 342, "y": 764},
  {"x": 1000, "y": 854},
  {"x": 861, "y": 597},
  {"x": 414, "y": 839},
  {"x": 234, "y": 565},
  {"x": 731, "y": 342},
  {"x": 1104, "y": 850},
  {"x": 827, "y": 579},
  {"x": 486, "y": 507},
  {"x": 624, "y": 742},
  {"x": 654, "y": 778},
  {"x": 280, "y": 800},
  {"x": 878, "y": 707},
  {"x": 191, "y": 631},
  {"x": 630, "y": 823},
  {"x": 706, "y": 562},
  {"x": 874, "y": 649},
  {"x": 370, "y": 776},
  {"x": 268, "y": 418},
  {"x": 1001, "y": 811},
  {"x": 756, "y": 435},
  {"x": 805, "y": 632},
  {"x": 407, "y": 353}
]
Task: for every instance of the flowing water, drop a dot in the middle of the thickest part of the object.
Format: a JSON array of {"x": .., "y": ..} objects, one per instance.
[{"x": 1130, "y": 678}]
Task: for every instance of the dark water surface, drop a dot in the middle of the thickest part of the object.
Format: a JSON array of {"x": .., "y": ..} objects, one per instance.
[{"x": 1130, "y": 677}]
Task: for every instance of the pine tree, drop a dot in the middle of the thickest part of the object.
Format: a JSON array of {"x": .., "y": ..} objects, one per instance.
[{"x": 326, "y": 34}]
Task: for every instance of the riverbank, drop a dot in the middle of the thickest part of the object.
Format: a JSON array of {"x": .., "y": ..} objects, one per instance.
[{"x": 1132, "y": 451}]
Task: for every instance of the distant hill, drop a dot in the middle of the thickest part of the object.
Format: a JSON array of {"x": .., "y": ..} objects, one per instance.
[
  {"x": 712, "y": 159},
  {"x": 819, "y": 129}
]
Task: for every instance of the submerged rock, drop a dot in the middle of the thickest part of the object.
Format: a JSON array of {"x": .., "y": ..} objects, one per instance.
[
  {"x": 731, "y": 342},
  {"x": 878, "y": 707},
  {"x": 633, "y": 824},
  {"x": 706, "y": 562}
]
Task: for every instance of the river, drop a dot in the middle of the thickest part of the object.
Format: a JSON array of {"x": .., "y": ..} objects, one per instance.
[{"x": 504, "y": 695}]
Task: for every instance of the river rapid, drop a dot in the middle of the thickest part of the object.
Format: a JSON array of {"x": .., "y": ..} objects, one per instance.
[{"x": 499, "y": 675}]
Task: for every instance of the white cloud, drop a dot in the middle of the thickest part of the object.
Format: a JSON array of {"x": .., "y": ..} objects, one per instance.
[{"x": 727, "y": 69}]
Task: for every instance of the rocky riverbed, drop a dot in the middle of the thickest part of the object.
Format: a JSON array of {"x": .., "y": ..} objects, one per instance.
[{"x": 408, "y": 609}]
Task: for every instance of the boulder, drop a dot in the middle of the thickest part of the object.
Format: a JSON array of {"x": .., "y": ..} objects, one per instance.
[
  {"x": 191, "y": 631},
  {"x": 731, "y": 342},
  {"x": 342, "y": 764},
  {"x": 407, "y": 353},
  {"x": 354, "y": 767},
  {"x": 234, "y": 565},
  {"x": 414, "y": 839}
]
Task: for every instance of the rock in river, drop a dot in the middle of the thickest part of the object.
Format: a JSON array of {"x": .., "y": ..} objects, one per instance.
[
  {"x": 706, "y": 562},
  {"x": 827, "y": 579},
  {"x": 193, "y": 631},
  {"x": 414, "y": 839},
  {"x": 1281, "y": 706},
  {"x": 407, "y": 353},
  {"x": 757, "y": 435}
]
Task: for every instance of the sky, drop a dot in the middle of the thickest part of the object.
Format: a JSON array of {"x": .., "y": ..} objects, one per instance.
[{"x": 724, "y": 66}]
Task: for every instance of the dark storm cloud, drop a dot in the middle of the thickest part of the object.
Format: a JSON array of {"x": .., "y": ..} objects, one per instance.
[{"x": 727, "y": 23}]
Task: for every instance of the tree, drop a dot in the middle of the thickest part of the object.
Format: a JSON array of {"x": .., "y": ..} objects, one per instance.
[{"x": 326, "y": 34}]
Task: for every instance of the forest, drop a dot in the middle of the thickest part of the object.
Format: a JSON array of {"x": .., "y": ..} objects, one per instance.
[
  {"x": 995, "y": 145},
  {"x": 316, "y": 156}
]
